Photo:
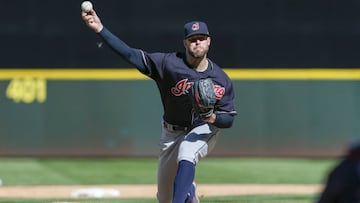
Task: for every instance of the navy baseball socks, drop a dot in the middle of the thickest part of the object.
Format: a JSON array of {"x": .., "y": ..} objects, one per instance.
[
  {"x": 191, "y": 196},
  {"x": 183, "y": 184}
]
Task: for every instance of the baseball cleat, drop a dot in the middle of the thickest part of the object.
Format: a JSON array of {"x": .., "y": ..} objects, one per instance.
[
  {"x": 196, "y": 198},
  {"x": 192, "y": 197}
]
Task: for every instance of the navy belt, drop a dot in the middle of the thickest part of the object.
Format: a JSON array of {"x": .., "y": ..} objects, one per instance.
[{"x": 174, "y": 127}]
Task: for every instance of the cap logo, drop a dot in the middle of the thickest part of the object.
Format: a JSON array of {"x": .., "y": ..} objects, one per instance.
[{"x": 195, "y": 26}]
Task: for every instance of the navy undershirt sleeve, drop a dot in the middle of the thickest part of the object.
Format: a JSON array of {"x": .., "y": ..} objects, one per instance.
[
  {"x": 223, "y": 120},
  {"x": 132, "y": 55}
]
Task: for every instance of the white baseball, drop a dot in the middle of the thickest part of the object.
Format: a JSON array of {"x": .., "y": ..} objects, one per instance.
[{"x": 86, "y": 6}]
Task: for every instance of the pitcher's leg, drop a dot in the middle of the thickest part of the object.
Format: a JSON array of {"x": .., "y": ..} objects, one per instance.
[
  {"x": 183, "y": 181},
  {"x": 197, "y": 144},
  {"x": 167, "y": 164},
  {"x": 167, "y": 168}
]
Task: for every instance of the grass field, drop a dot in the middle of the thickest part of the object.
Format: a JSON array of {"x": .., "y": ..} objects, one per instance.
[
  {"x": 109, "y": 171},
  {"x": 239, "y": 199}
]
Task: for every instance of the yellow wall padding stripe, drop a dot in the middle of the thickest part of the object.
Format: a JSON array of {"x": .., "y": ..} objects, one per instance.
[
  {"x": 294, "y": 74},
  {"x": 74, "y": 74},
  {"x": 134, "y": 74}
]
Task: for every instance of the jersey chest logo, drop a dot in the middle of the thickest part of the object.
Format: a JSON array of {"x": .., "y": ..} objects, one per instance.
[
  {"x": 219, "y": 91},
  {"x": 181, "y": 87}
]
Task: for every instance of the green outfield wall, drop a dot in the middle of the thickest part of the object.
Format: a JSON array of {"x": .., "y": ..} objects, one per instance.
[{"x": 118, "y": 113}]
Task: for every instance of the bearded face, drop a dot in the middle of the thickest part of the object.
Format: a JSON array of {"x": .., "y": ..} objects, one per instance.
[{"x": 197, "y": 46}]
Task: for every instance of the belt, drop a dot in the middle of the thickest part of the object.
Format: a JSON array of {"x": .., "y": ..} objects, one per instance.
[{"x": 174, "y": 127}]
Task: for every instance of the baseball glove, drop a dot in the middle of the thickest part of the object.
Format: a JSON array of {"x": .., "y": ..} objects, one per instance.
[{"x": 203, "y": 97}]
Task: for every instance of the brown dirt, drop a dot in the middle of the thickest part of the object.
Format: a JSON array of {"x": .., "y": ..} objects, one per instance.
[{"x": 149, "y": 191}]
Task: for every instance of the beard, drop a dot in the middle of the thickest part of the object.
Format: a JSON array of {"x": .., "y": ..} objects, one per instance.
[{"x": 198, "y": 53}]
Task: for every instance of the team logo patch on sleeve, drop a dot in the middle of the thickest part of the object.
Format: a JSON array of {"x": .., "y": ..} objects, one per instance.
[{"x": 181, "y": 87}]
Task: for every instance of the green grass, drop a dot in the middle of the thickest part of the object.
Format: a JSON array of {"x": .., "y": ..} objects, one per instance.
[
  {"x": 108, "y": 200},
  {"x": 88, "y": 171},
  {"x": 28, "y": 171},
  {"x": 234, "y": 199},
  {"x": 263, "y": 171},
  {"x": 261, "y": 199}
]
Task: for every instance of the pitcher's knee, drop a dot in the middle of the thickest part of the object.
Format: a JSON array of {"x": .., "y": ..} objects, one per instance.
[{"x": 192, "y": 152}]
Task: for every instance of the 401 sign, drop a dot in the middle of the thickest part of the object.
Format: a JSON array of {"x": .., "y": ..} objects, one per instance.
[{"x": 27, "y": 90}]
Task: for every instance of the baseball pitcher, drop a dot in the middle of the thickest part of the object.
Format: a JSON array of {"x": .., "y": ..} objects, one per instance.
[{"x": 197, "y": 98}]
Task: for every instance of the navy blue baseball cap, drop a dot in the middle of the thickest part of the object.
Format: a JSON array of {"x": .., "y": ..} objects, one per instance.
[{"x": 195, "y": 28}]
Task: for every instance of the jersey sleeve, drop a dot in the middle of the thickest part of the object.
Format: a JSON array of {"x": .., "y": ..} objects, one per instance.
[
  {"x": 154, "y": 64},
  {"x": 148, "y": 64},
  {"x": 227, "y": 102},
  {"x": 131, "y": 55}
]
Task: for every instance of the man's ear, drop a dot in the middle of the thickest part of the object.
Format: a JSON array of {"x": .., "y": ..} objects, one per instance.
[{"x": 184, "y": 43}]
